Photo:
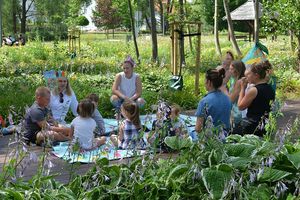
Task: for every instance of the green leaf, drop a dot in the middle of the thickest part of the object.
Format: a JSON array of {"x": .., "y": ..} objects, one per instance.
[
  {"x": 240, "y": 150},
  {"x": 177, "y": 171},
  {"x": 239, "y": 162},
  {"x": 215, "y": 181},
  {"x": 233, "y": 138},
  {"x": 272, "y": 175},
  {"x": 15, "y": 194},
  {"x": 262, "y": 191},
  {"x": 177, "y": 143},
  {"x": 294, "y": 159}
]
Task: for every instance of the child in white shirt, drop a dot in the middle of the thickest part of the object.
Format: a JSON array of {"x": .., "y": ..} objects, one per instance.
[{"x": 83, "y": 126}]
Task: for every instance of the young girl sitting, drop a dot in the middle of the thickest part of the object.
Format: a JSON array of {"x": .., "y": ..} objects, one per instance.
[
  {"x": 178, "y": 125},
  {"x": 100, "y": 128},
  {"x": 83, "y": 126},
  {"x": 162, "y": 127},
  {"x": 129, "y": 129}
]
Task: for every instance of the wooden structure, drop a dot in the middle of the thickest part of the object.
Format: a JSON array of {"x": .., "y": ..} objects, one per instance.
[
  {"x": 246, "y": 13},
  {"x": 176, "y": 36},
  {"x": 74, "y": 40}
]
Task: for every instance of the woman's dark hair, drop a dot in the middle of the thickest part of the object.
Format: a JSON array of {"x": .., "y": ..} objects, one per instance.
[
  {"x": 215, "y": 76},
  {"x": 261, "y": 68},
  {"x": 93, "y": 97},
  {"x": 132, "y": 112},
  {"x": 86, "y": 108},
  {"x": 239, "y": 66}
]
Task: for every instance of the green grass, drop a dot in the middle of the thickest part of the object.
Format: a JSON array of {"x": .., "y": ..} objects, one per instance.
[{"x": 94, "y": 68}]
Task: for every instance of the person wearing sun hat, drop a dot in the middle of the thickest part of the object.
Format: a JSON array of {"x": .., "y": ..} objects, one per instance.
[
  {"x": 127, "y": 85},
  {"x": 62, "y": 98}
]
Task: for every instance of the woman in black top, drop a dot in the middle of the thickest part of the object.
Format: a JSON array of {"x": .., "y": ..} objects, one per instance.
[{"x": 257, "y": 100}]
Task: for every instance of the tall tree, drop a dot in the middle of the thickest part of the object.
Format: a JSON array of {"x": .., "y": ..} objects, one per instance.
[
  {"x": 14, "y": 15},
  {"x": 133, "y": 31},
  {"x": 153, "y": 31},
  {"x": 0, "y": 23},
  {"x": 216, "y": 30},
  {"x": 25, "y": 9},
  {"x": 106, "y": 16},
  {"x": 181, "y": 33},
  {"x": 287, "y": 18},
  {"x": 230, "y": 28}
]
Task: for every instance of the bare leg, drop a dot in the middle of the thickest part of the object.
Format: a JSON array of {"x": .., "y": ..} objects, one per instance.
[
  {"x": 100, "y": 141},
  {"x": 114, "y": 140}
]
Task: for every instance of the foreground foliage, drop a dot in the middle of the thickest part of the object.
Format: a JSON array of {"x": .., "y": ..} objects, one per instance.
[{"x": 245, "y": 167}]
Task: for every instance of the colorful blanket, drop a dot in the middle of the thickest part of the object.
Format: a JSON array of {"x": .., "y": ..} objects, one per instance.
[{"x": 63, "y": 150}]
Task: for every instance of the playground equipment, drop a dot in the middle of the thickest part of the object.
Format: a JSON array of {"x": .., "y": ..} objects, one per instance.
[
  {"x": 178, "y": 34},
  {"x": 74, "y": 40}
]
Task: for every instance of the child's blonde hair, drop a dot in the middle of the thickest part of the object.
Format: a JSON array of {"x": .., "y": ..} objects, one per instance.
[
  {"x": 176, "y": 109},
  {"x": 132, "y": 112}
]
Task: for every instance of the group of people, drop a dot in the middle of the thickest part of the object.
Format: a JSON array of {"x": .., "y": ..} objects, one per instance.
[
  {"x": 10, "y": 40},
  {"x": 238, "y": 100}
]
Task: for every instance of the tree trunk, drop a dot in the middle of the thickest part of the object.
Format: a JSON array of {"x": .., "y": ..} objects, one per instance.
[
  {"x": 133, "y": 32},
  {"x": 23, "y": 17},
  {"x": 216, "y": 31},
  {"x": 161, "y": 12},
  {"x": 188, "y": 29},
  {"x": 230, "y": 28},
  {"x": 181, "y": 37},
  {"x": 153, "y": 31},
  {"x": 298, "y": 37},
  {"x": 1, "y": 1},
  {"x": 147, "y": 22},
  {"x": 14, "y": 16},
  {"x": 292, "y": 40},
  {"x": 168, "y": 9},
  {"x": 256, "y": 21}
]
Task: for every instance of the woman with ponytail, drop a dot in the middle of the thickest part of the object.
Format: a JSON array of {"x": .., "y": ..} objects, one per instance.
[
  {"x": 257, "y": 100},
  {"x": 215, "y": 103},
  {"x": 130, "y": 127}
]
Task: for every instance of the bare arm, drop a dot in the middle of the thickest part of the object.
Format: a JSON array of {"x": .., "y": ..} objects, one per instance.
[
  {"x": 138, "y": 92},
  {"x": 72, "y": 132},
  {"x": 43, "y": 124},
  {"x": 121, "y": 132},
  {"x": 199, "y": 124},
  {"x": 115, "y": 87},
  {"x": 236, "y": 90},
  {"x": 245, "y": 100}
]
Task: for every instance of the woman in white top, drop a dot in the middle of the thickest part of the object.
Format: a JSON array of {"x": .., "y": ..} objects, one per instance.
[
  {"x": 127, "y": 86},
  {"x": 62, "y": 99}
]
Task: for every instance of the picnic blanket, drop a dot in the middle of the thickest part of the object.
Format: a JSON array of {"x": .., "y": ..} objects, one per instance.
[{"x": 63, "y": 150}]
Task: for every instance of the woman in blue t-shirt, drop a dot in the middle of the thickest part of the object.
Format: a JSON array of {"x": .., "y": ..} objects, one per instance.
[{"x": 215, "y": 104}]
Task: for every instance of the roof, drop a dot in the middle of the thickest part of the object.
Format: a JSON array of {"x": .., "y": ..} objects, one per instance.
[{"x": 245, "y": 12}]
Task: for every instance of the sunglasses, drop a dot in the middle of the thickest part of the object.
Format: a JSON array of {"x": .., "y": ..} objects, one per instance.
[
  {"x": 62, "y": 81},
  {"x": 61, "y": 99}
]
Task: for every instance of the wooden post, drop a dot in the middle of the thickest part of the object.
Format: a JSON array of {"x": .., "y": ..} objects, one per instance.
[
  {"x": 172, "y": 46},
  {"x": 256, "y": 21},
  {"x": 197, "y": 67},
  {"x": 175, "y": 49}
]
